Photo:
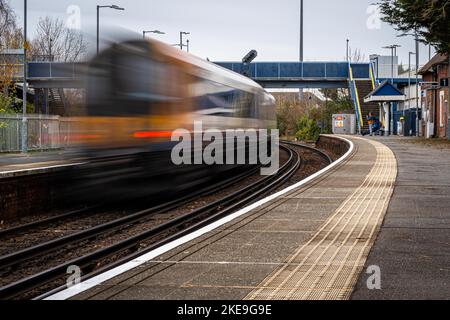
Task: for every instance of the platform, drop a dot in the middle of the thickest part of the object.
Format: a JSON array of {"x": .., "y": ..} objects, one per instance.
[
  {"x": 35, "y": 162},
  {"x": 309, "y": 243},
  {"x": 413, "y": 247}
]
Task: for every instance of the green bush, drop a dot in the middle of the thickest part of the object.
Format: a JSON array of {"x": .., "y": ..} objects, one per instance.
[
  {"x": 307, "y": 130},
  {"x": 6, "y": 104},
  {"x": 12, "y": 105}
]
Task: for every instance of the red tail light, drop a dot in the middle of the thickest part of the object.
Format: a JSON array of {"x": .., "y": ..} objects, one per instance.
[{"x": 152, "y": 134}]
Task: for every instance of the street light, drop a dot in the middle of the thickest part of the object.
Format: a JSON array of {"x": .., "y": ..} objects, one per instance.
[
  {"x": 393, "y": 54},
  {"x": 409, "y": 82},
  {"x": 24, "y": 87},
  {"x": 391, "y": 108},
  {"x": 181, "y": 38},
  {"x": 301, "y": 30},
  {"x": 348, "y": 50},
  {"x": 98, "y": 21},
  {"x": 153, "y": 31},
  {"x": 377, "y": 58}
]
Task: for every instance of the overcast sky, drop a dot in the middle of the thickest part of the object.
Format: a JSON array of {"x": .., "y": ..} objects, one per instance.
[{"x": 225, "y": 30}]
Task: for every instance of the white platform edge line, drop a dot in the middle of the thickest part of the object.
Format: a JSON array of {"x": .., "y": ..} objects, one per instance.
[
  {"x": 12, "y": 172},
  {"x": 99, "y": 279}
]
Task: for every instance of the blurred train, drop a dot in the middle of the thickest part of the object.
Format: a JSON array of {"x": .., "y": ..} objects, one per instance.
[{"x": 138, "y": 93}]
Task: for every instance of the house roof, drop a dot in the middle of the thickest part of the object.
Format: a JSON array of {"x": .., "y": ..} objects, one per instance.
[
  {"x": 436, "y": 60},
  {"x": 385, "y": 92}
]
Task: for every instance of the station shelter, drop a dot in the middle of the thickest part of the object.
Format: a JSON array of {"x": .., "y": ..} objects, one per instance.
[{"x": 387, "y": 95}]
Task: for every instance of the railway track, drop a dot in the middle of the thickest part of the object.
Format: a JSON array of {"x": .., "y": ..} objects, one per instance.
[{"x": 109, "y": 256}]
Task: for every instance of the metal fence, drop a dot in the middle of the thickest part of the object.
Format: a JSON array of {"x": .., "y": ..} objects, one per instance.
[{"x": 43, "y": 132}]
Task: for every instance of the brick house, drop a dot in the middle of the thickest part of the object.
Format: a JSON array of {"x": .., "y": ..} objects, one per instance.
[{"x": 435, "y": 97}]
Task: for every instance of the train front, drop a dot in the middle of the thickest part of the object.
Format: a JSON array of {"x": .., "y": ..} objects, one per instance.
[{"x": 138, "y": 94}]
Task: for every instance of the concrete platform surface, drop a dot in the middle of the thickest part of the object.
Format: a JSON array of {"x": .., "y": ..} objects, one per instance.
[
  {"x": 413, "y": 247},
  {"x": 311, "y": 243},
  {"x": 29, "y": 163}
]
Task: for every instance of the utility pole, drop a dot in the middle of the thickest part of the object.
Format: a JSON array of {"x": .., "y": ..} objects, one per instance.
[
  {"x": 301, "y": 31},
  {"x": 24, "y": 97},
  {"x": 409, "y": 83},
  {"x": 417, "y": 84},
  {"x": 391, "y": 106},
  {"x": 392, "y": 65},
  {"x": 301, "y": 57},
  {"x": 98, "y": 29}
]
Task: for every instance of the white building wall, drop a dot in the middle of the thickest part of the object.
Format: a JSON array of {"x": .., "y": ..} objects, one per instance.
[{"x": 383, "y": 66}]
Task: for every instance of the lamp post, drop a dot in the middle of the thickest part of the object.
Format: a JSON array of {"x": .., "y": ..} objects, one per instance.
[
  {"x": 98, "y": 21},
  {"x": 416, "y": 36},
  {"x": 348, "y": 50},
  {"x": 301, "y": 30},
  {"x": 24, "y": 87},
  {"x": 393, "y": 54},
  {"x": 377, "y": 58},
  {"x": 152, "y": 31},
  {"x": 409, "y": 82},
  {"x": 181, "y": 38}
]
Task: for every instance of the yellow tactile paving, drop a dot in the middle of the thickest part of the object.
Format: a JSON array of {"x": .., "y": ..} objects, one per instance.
[{"x": 328, "y": 265}]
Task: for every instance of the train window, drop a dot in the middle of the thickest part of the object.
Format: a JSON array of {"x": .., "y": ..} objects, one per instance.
[
  {"x": 212, "y": 98},
  {"x": 135, "y": 78},
  {"x": 144, "y": 86}
]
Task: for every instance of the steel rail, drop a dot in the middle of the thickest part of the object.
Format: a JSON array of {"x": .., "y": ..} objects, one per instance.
[
  {"x": 23, "y": 227},
  {"x": 42, "y": 248},
  {"x": 313, "y": 149},
  {"x": 214, "y": 211}
]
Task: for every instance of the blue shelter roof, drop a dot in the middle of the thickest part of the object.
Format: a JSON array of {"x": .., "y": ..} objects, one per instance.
[{"x": 384, "y": 93}]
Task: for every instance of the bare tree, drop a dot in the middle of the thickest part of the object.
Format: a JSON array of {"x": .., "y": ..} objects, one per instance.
[
  {"x": 10, "y": 34},
  {"x": 357, "y": 56},
  {"x": 10, "y": 38},
  {"x": 56, "y": 42}
]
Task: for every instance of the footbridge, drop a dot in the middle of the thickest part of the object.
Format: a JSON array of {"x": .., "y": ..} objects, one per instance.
[
  {"x": 359, "y": 78},
  {"x": 277, "y": 75}
]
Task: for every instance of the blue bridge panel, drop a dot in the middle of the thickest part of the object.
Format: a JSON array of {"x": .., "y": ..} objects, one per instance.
[
  {"x": 361, "y": 71},
  {"x": 267, "y": 70},
  {"x": 319, "y": 71},
  {"x": 38, "y": 70},
  {"x": 54, "y": 70},
  {"x": 314, "y": 70},
  {"x": 290, "y": 70},
  {"x": 337, "y": 70}
]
